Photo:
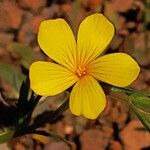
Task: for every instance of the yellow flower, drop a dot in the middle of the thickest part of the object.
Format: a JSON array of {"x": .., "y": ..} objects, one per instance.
[{"x": 80, "y": 63}]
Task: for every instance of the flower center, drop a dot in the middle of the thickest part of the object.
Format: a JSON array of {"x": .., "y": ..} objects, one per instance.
[{"x": 81, "y": 71}]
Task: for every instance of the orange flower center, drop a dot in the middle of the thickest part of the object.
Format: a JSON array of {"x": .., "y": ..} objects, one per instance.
[{"x": 81, "y": 71}]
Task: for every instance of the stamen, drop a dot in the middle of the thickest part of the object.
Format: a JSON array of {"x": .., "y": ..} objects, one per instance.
[
  {"x": 84, "y": 73},
  {"x": 81, "y": 71}
]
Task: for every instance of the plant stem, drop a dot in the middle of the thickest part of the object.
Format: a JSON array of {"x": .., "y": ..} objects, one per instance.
[{"x": 52, "y": 116}]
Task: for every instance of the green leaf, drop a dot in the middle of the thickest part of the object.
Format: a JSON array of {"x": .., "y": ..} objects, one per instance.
[
  {"x": 24, "y": 92},
  {"x": 11, "y": 75},
  {"x": 123, "y": 89},
  {"x": 26, "y": 103},
  {"x": 140, "y": 101},
  {"x": 144, "y": 117},
  {"x": 25, "y": 52},
  {"x": 6, "y": 135}
]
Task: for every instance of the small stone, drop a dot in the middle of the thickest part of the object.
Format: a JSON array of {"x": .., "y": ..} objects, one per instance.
[
  {"x": 115, "y": 145},
  {"x": 65, "y": 8},
  {"x": 131, "y": 131},
  {"x": 131, "y": 25},
  {"x": 19, "y": 146},
  {"x": 139, "y": 4},
  {"x": 50, "y": 12},
  {"x": 140, "y": 83},
  {"x": 25, "y": 35},
  {"x": 10, "y": 15},
  {"x": 5, "y": 38},
  {"x": 118, "y": 6},
  {"x": 146, "y": 75},
  {"x": 108, "y": 131},
  {"x": 118, "y": 113},
  {"x": 107, "y": 108},
  {"x": 56, "y": 146},
  {"x": 91, "y": 4},
  {"x": 124, "y": 32},
  {"x": 122, "y": 5},
  {"x": 94, "y": 139},
  {"x": 59, "y": 128},
  {"x": 68, "y": 129},
  {"x": 34, "y": 25},
  {"x": 139, "y": 42},
  {"x": 32, "y": 4}
]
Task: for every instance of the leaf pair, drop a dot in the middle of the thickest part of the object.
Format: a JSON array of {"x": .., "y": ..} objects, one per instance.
[
  {"x": 140, "y": 105},
  {"x": 138, "y": 101}
]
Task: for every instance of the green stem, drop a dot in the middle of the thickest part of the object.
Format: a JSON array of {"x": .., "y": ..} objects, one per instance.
[{"x": 52, "y": 116}]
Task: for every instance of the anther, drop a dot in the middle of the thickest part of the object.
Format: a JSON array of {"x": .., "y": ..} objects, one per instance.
[
  {"x": 84, "y": 69},
  {"x": 84, "y": 73},
  {"x": 80, "y": 71}
]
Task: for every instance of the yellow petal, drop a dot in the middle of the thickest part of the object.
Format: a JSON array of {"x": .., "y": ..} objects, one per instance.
[
  {"x": 49, "y": 79},
  {"x": 57, "y": 40},
  {"x": 94, "y": 35},
  {"x": 87, "y": 98},
  {"x": 117, "y": 69}
]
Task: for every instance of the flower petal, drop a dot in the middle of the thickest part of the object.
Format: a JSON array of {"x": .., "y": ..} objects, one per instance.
[
  {"x": 57, "y": 40},
  {"x": 87, "y": 98},
  {"x": 94, "y": 35},
  {"x": 49, "y": 79},
  {"x": 117, "y": 69}
]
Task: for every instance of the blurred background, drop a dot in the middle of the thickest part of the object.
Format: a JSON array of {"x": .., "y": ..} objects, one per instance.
[{"x": 116, "y": 128}]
